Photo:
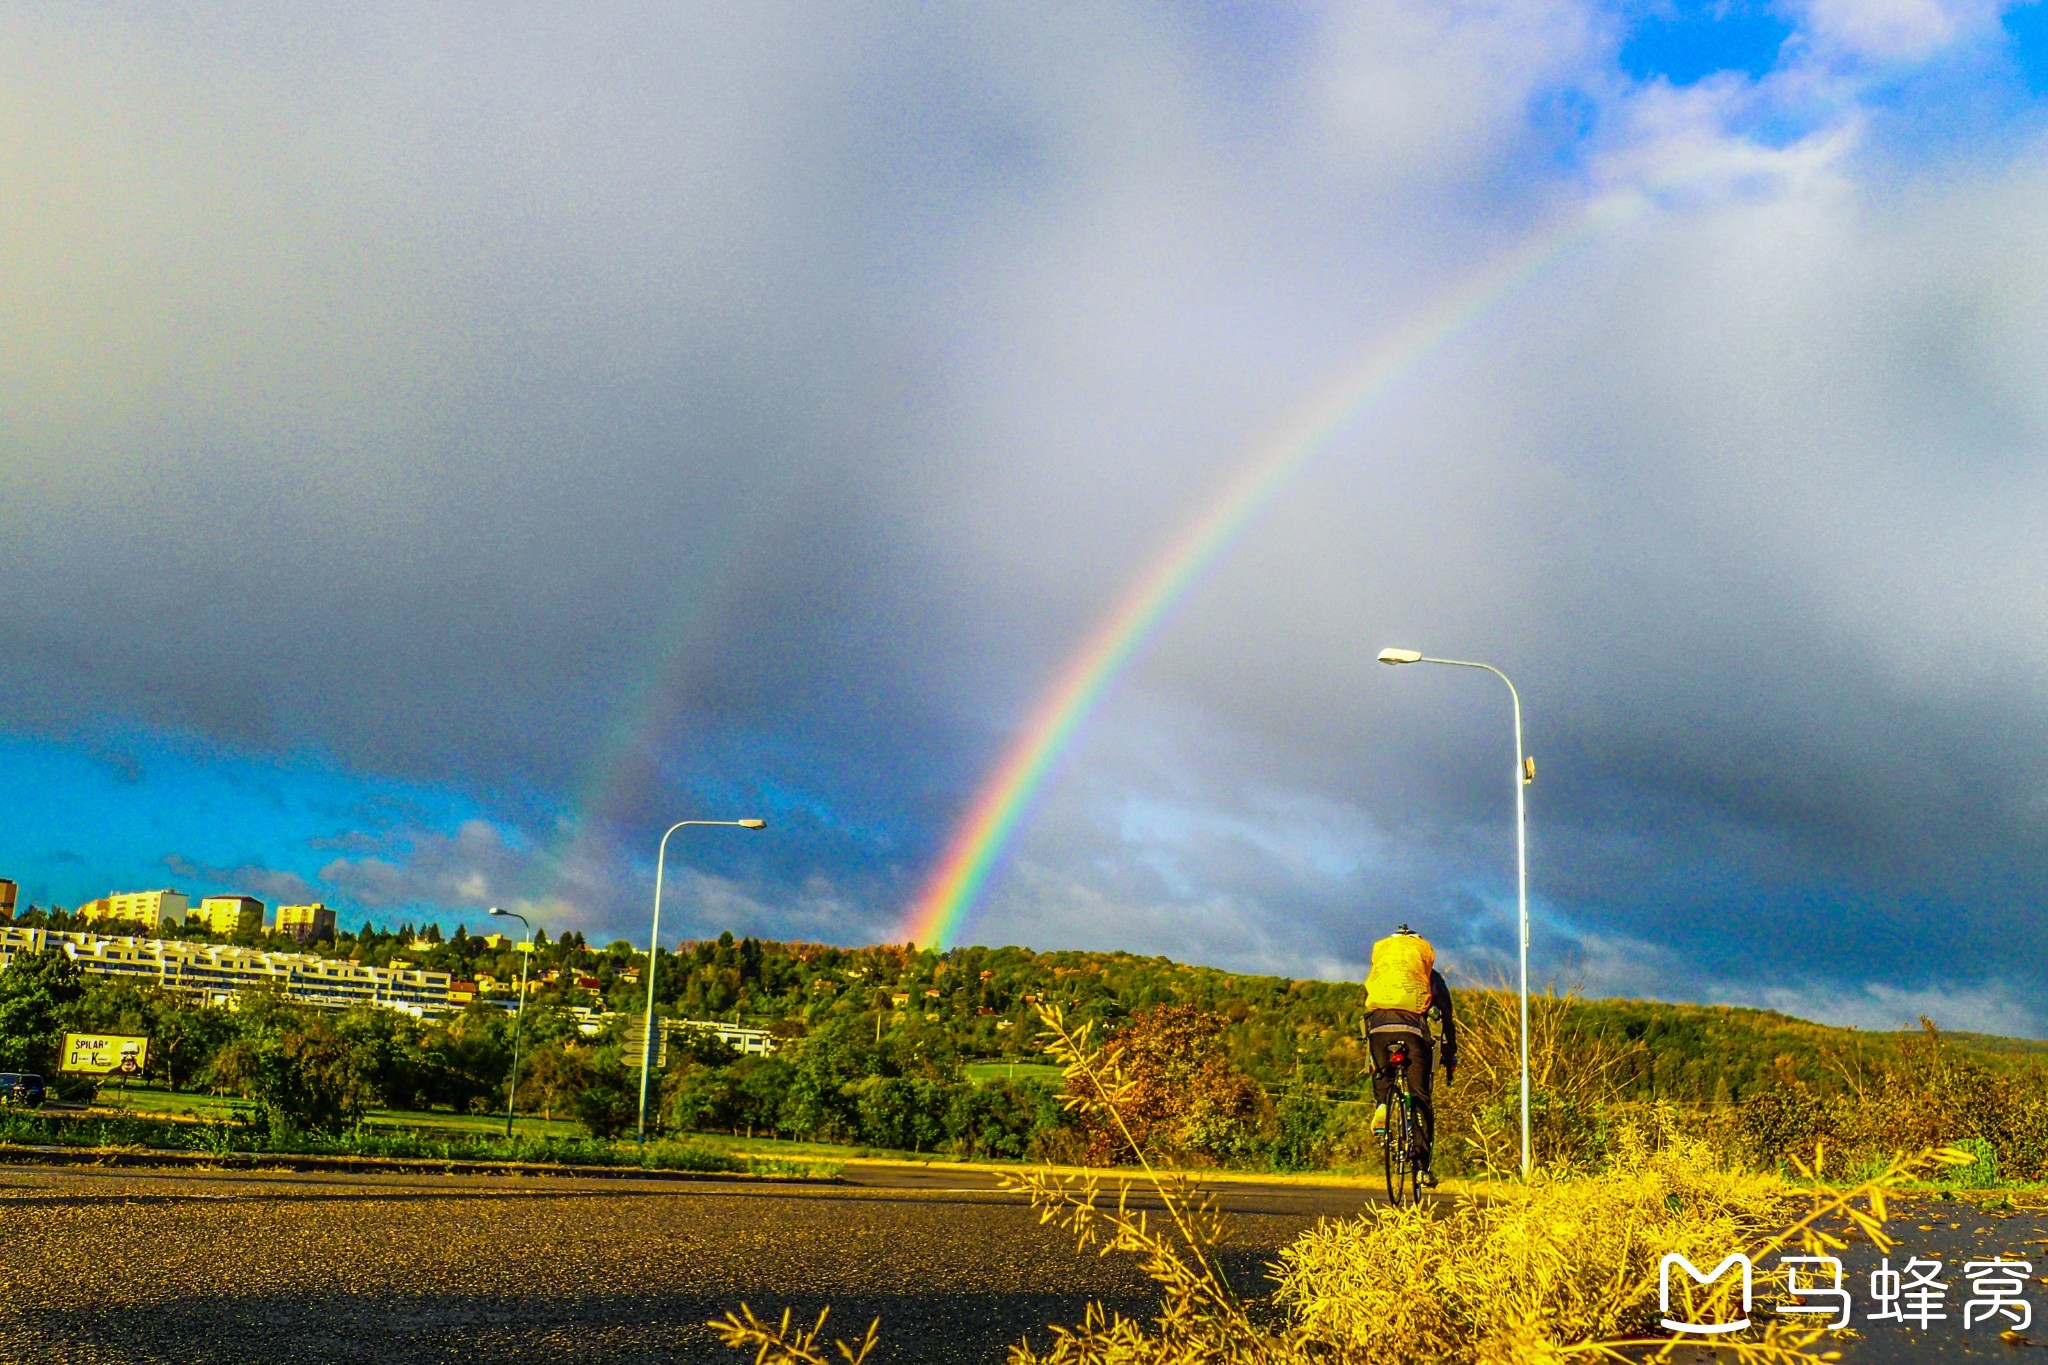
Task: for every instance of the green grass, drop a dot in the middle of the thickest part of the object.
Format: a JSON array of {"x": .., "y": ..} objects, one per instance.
[
  {"x": 792, "y": 1149},
  {"x": 213, "y": 1135},
  {"x": 981, "y": 1073},
  {"x": 156, "y": 1101},
  {"x": 146, "y": 1102},
  {"x": 405, "y": 1132}
]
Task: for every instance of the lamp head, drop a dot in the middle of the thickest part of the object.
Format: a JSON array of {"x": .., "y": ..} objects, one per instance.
[
  {"x": 1400, "y": 656},
  {"x": 496, "y": 911},
  {"x": 751, "y": 823}
]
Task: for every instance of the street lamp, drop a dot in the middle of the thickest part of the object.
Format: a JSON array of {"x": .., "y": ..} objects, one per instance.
[
  {"x": 518, "y": 1015},
  {"x": 647, "y": 1050},
  {"x": 1525, "y": 773}
]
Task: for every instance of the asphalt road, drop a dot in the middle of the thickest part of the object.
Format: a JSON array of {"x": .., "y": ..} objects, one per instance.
[
  {"x": 101, "y": 1265},
  {"x": 111, "y": 1265}
]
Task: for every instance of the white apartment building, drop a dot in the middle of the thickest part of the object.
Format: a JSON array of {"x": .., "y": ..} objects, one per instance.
[
  {"x": 748, "y": 1042},
  {"x": 219, "y": 973}
]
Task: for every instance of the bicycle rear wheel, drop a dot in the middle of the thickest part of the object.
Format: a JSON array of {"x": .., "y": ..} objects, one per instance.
[
  {"x": 1390, "y": 1147},
  {"x": 1397, "y": 1150},
  {"x": 1412, "y": 1122}
]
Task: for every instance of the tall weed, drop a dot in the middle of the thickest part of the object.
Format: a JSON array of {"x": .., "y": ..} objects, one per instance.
[{"x": 1572, "y": 1085}]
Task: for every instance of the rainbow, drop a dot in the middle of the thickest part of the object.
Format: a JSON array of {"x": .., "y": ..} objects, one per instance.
[{"x": 999, "y": 805}]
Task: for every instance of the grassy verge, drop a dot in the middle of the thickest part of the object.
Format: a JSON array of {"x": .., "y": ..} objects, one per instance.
[
  {"x": 152, "y": 1101},
  {"x": 232, "y": 1137}
]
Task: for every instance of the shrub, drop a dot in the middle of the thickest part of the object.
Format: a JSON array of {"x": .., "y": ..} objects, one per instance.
[
  {"x": 688, "y": 1156},
  {"x": 1923, "y": 1096},
  {"x": 1776, "y": 1122},
  {"x": 1182, "y": 1099},
  {"x": 609, "y": 1102},
  {"x": 1303, "y": 1125}
]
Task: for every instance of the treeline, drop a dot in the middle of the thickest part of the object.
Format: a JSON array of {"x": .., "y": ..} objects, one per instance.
[{"x": 1287, "y": 1034}]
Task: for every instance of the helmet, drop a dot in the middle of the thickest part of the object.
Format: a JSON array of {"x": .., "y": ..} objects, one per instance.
[{"x": 1404, "y": 929}]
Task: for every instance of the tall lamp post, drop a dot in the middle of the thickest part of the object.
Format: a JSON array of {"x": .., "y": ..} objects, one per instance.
[
  {"x": 648, "y": 1048},
  {"x": 1525, "y": 773},
  {"x": 518, "y": 1015}
]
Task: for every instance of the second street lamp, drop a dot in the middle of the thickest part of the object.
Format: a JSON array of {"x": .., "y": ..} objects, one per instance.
[
  {"x": 518, "y": 1015},
  {"x": 1525, "y": 773},
  {"x": 649, "y": 1050}
]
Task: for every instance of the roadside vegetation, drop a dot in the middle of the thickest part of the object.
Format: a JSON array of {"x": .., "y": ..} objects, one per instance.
[{"x": 1562, "y": 1268}]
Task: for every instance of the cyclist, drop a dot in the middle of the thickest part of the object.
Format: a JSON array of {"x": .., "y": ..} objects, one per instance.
[{"x": 1402, "y": 991}]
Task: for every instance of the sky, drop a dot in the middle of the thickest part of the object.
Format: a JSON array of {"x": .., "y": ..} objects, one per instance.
[{"x": 438, "y": 450}]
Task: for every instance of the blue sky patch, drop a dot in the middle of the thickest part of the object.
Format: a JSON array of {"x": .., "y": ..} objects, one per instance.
[
  {"x": 1687, "y": 42},
  {"x": 2027, "y": 26}
]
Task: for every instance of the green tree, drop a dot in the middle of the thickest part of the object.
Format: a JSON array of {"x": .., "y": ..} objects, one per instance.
[
  {"x": 184, "y": 1036},
  {"x": 1303, "y": 1123},
  {"x": 609, "y": 1101},
  {"x": 550, "y": 1078},
  {"x": 702, "y": 1099},
  {"x": 36, "y": 992},
  {"x": 296, "y": 1065},
  {"x": 1001, "y": 1118}
]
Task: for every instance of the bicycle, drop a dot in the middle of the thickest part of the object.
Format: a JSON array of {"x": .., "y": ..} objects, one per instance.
[{"x": 1401, "y": 1145}]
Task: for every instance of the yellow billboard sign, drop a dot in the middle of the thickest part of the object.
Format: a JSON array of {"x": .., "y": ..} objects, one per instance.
[{"x": 101, "y": 1054}]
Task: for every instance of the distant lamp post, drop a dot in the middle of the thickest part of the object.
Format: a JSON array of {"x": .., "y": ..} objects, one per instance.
[
  {"x": 518, "y": 1015},
  {"x": 648, "y": 1049},
  {"x": 1525, "y": 773}
]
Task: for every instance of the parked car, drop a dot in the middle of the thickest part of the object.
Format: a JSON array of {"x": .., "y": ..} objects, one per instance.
[{"x": 21, "y": 1087}]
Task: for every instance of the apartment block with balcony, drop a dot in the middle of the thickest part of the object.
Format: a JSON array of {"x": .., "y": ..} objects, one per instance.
[
  {"x": 227, "y": 914},
  {"x": 305, "y": 923},
  {"x": 147, "y": 909},
  {"x": 219, "y": 973}
]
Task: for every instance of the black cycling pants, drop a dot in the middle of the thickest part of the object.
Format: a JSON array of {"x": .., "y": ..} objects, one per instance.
[{"x": 1421, "y": 1065}]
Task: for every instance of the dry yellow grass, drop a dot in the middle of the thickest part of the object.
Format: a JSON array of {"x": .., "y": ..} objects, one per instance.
[{"x": 1554, "y": 1259}]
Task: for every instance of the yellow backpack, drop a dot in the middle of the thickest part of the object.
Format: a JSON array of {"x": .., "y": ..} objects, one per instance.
[{"x": 1399, "y": 979}]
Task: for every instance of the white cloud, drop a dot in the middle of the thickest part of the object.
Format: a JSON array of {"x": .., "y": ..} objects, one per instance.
[
  {"x": 1996, "y": 1007},
  {"x": 1894, "y": 30},
  {"x": 1412, "y": 94}
]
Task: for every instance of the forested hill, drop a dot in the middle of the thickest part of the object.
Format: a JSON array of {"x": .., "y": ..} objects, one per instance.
[{"x": 981, "y": 1000}]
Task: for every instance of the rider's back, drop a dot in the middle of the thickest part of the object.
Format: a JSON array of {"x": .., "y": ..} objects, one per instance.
[{"x": 1400, "y": 975}]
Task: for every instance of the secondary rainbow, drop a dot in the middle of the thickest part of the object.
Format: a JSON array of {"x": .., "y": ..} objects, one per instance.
[{"x": 999, "y": 805}]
